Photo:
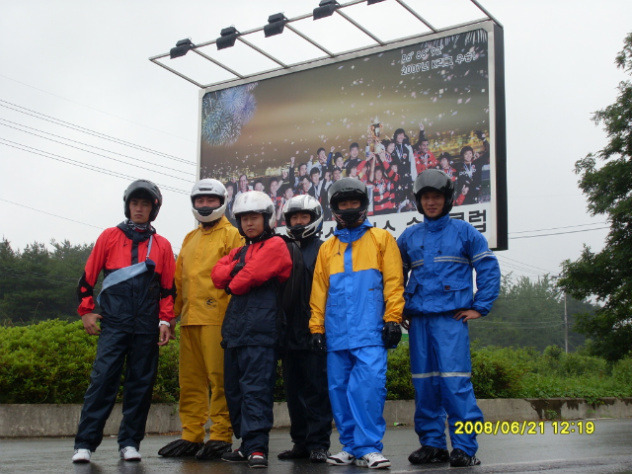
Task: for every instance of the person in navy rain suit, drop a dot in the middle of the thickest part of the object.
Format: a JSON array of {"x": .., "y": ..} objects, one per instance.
[{"x": 253, "y": 275}]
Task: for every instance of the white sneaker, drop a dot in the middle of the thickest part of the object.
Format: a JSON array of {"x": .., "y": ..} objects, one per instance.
[
  {"x": 343, "y": 458},
  {"x": 130, "y": 453},
  {"x": 81, "y": 456},
  {"x": 373, "y": 461}
]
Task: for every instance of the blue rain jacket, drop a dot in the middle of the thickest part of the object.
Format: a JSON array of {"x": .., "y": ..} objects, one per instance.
[{"x": 440, "y": 255}]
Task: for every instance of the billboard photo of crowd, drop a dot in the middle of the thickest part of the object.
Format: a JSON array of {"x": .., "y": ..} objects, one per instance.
[{"x": 382, "y": 119}]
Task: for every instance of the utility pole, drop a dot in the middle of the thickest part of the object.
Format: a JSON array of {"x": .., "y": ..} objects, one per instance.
[{"x": 565, "y": 325}]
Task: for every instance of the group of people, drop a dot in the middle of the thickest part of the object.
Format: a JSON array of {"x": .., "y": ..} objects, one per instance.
[
  {"x": 387, "y": 167},
  {"x": 247, "y": 297}
]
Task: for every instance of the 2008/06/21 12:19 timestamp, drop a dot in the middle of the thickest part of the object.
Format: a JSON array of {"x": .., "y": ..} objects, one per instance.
[{"x": 524, "y": 427}]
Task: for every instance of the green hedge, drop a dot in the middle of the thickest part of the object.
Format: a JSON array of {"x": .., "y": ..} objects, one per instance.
[{"x": 50, "y": 362}]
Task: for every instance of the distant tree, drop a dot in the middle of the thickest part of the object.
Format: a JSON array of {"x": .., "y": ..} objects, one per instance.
[
  {"x": 529, "y": 313},
  {"x": 38, "y": 284},
  {"x": 608, "y": 187}
]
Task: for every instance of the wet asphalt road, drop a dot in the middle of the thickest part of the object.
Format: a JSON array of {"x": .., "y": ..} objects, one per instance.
[{"x": 607, "y": 450}]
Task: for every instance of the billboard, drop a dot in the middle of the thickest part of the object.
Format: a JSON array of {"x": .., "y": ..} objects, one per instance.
[{"x": 382, "y": 116}]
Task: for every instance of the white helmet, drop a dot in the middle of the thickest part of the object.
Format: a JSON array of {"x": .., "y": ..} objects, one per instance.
[
  {"x": 303, "y": 203},
  {"x": 254, "y": 201},
  {"x": 209, "y": 187}
]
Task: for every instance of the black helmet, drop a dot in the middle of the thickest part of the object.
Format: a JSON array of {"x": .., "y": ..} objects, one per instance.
[
  {"x": 434, "y": 180},
  {"x": 143, "y": 189},
  {"x": 345, "y": 189}
]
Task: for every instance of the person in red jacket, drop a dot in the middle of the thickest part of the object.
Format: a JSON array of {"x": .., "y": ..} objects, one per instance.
[
  {"x": 253, "y": 275},
  {"x": 136, "y": 309}
]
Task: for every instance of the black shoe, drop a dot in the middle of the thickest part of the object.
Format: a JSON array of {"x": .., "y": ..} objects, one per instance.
[
  {"x": 180, "y": 448},
  {"x": 318, "y": 455},
  {"x": 428, "y": 455},
  {"x": 257, "y": 459},
  {"x": 234, "y": 456},
  {"x": 297, "y": 452},
  {"x": 213, "y": 449},
  {"x": 459, "y": 458}
]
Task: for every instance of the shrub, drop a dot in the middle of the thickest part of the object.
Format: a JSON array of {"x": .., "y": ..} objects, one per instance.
[
  {"x": 399, "y": 382},
  {"x": 622, "y": 374},
  {"x": 51, "y": 361},
  {"x": 495, "y": 375},
  {"x": 555, "y": 362}
]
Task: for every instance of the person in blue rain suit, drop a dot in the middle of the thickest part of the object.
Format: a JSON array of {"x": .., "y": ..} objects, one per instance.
[
  {"x": 356, "y": 303},
  {"x": 440, "y": 254}
]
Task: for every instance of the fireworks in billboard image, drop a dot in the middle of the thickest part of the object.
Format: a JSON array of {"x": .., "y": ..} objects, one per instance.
[{"x": 383, "y": 119}]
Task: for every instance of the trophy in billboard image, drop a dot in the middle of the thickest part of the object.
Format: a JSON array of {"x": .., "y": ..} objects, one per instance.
[{"x": 374, "y": 144}]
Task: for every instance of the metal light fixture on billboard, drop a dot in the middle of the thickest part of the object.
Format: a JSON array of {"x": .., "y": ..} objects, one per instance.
[
  {"x": 275, "y": 25},
  {"x": 371, "y": 2},
  {"x": 227, "y": 38},
  {"x": 182, "y": 47},
  {"x": 325, "y": 8}
]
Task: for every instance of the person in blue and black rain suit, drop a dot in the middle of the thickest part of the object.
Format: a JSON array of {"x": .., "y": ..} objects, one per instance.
[
  {"x": 440, "y": 254},
  {"x": 304, "y": 370}
]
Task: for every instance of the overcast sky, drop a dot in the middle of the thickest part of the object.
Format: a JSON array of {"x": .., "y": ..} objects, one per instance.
[{"x": 78, "y": 72}]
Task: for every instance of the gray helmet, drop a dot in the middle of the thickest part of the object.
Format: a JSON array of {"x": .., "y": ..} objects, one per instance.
[
  {"x": 143, "y": 189},
  {"x": 345, "y": 189},
  {"x": 303, "y": 203},
  {"x": 434, "y": 180},
  {"x": 209, "y": 187}
]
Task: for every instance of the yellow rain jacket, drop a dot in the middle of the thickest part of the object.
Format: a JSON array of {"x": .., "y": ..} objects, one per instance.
[{"x": 197, "y": 299}]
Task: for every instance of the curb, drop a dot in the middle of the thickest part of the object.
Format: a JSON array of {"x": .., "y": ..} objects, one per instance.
[{"x": 18, "y": 421}]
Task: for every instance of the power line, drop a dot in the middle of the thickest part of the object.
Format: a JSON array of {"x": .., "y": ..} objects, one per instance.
[
  {"x": 89, "y": 151},
  {"x": 557, "y": 228},
  {"x": 522, "y": 263},
  {"x": 92, "y": 108},
  {"x": 520, "y": 268},
  {"x": 86, "y": 144},
  {"x": 62, "y": 217},
  {"x": 69, "y": 161},
  {"x": 525, "y": 326},
  {"x": 49, "y": 213},
  {"x": 558, "y": 233},
  {"x": 48, "y": 118}
]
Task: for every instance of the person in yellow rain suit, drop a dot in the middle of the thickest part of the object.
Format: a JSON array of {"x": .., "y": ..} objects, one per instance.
[
  {"x": 357, "y": 301},
  {"x": 202, "y": 308}
]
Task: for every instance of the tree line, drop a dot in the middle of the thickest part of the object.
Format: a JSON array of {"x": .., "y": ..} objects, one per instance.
[{"x": 39, "y": 283}]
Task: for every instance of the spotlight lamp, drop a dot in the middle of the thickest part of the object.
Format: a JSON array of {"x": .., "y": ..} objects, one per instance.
[
  {"x": 227, "y": 38},
  {"x": 182, "y": 47},
  {"x": 325, "y": 8},
  {"x": 371, "y": 2},
  {"x": 275, "y": 25}
]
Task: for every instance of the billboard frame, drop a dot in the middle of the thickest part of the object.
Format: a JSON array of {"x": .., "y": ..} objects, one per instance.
[{"x": 496, "y": 102}]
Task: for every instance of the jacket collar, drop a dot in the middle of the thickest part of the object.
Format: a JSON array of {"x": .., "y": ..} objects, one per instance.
[
  {"x": 435, "y": 225},
  {"x": 133, "y": 233},
  {"x": 348, "y": 235},
  {"x": 219, "y": 224}
]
